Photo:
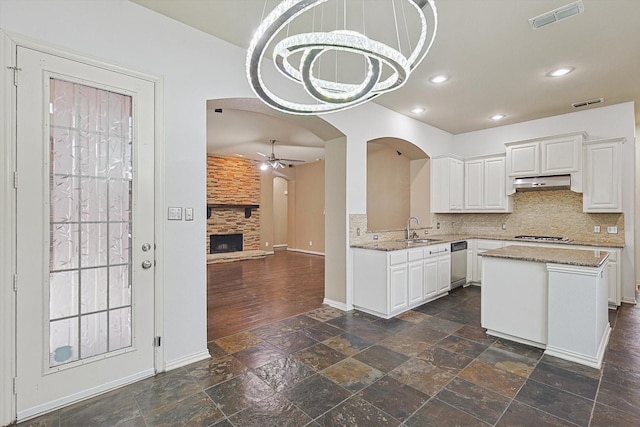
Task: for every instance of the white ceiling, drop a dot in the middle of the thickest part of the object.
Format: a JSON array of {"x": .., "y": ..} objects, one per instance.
[{"x": 496, "y": 62}]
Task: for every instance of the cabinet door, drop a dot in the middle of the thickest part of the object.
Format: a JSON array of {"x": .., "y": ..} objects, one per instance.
[
  {"x": 524, "y": 159},
  {"x": 560, "y": 156},
  {"x": 415, "y": 271},
  {"x": 603, "y": 184},
  {"x": 397, "y": 287},
  {"x": 444, "y": 273},
  {"x": 430, "y": 277},
  {"x": 473, "y": 184},
  {"x": 456, "y": 184},
  {"x": 495, "y": 195},
  {"x": 446, "y": 185}
]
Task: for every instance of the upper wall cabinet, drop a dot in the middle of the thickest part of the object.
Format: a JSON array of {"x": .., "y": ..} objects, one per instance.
[
  {"x": 484, "y": 185},
  {"x": 602, "y": 180},
  {"x": 557, "y": 155},
  {"x": 447, "y": 184}
]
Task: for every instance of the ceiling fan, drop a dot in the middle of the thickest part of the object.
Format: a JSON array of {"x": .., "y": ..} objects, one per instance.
[{"x": 273, "y": 161}]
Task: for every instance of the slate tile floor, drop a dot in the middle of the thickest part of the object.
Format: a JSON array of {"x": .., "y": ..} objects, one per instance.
[{"x": 432, "y": 366}]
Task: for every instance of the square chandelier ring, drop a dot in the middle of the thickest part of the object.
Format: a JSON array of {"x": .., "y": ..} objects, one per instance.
[{"x": 330, "y": 96}]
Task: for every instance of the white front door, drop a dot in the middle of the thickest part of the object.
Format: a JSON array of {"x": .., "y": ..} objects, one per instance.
[{"x": 85, "y": 231}]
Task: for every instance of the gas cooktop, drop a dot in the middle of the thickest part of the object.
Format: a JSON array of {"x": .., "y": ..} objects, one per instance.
[{"x": 543, "y": 238}]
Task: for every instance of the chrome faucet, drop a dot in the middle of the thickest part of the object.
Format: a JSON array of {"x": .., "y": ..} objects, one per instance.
[{"x": 411, "y": 235}]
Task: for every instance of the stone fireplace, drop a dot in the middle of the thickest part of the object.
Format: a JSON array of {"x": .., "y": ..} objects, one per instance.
[{"x": 233, "y": 187}]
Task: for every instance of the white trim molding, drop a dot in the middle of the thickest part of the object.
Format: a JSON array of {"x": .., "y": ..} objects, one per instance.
[
  {"x": 337, "y": 305},
  {"x": 306, "y": 252},
  {"x": 7, "y": 231},
  {"x": 187, "y": 360}
]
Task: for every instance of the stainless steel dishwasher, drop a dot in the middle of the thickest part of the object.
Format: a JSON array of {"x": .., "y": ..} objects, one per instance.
[{"x": 458, "y": 264}]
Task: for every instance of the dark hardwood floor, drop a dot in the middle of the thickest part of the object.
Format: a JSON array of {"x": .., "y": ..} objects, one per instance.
[{"x": 242, "y": 295}]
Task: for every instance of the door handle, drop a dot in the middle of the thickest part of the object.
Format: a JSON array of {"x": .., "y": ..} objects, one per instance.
[{"x": 146, "y": 264}]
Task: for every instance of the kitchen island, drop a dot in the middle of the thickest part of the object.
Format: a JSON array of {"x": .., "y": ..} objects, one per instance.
[{"x": 550, "y": 298}]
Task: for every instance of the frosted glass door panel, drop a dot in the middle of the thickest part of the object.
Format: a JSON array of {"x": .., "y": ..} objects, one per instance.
[{"x": 90, "y": 222}]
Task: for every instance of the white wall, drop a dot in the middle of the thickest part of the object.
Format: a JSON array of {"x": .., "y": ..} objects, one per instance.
[{"x": 606, "y": 122}]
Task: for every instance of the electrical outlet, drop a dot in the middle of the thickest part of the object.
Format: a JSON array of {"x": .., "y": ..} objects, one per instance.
[
  {"x": 266, "y": 244},
  {"x": 175, "y": 214},
  {"x": 612, "y": 229},
  {"x": 504, "y": 226},
  {"x": 310, "y": 243},
  {"x": 358, "y": 231},
  {"x": 596, "y": 228},
  {"x": 438, "y": 225}
]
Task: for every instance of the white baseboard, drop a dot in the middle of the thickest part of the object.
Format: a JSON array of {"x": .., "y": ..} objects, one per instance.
[
  {"x": 594, "y": 361},
  {"x": 82, "y": 395},
  {"x": 338, "y": 305},
  {"x": 284, "y": 245},
  {"x": 629, "y": 300},
  {"x": 187, "y": 360},
  {"x": 305, "y": 252}
]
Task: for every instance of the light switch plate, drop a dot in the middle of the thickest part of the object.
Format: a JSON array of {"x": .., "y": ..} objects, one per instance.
[
  {"x": 596, "y": 228},
  {"x": 175, "y": 214},
  {"x": 612, "y": 229},
  {"x": 188, "y": 214}
]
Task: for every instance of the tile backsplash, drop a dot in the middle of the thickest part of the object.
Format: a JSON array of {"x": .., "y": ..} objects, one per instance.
[{"x": 547, "y": 213}]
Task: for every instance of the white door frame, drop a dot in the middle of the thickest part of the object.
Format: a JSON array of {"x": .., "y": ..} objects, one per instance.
[{"x": 9, "y": 43}]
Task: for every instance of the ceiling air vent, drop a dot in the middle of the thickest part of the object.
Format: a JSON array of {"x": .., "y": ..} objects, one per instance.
[
  {"x": 556, "y": 15},
  {"x": 587, "y": 102}
]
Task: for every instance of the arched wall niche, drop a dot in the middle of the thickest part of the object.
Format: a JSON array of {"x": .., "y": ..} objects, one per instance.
[{"x": 398, "y": 184}]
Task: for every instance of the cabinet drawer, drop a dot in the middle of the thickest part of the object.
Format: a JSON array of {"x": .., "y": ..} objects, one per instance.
[
  {"x": 415, "y": 254},
  {"x": 397, "y": 257}
]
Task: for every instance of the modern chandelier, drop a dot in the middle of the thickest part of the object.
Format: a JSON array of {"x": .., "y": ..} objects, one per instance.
[{"x": 299, "y": 57}]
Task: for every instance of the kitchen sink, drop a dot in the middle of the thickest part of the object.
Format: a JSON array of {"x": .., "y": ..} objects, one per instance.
[{"x": 409, "y": 241}]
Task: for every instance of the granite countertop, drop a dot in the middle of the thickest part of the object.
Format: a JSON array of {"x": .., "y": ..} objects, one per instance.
[
  {"x": 393, "y": 245},
  {"x": 579, "y": 257}
]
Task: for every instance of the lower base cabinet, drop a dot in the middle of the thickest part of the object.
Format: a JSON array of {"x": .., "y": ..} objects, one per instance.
[{"x": 388, "y": 283}]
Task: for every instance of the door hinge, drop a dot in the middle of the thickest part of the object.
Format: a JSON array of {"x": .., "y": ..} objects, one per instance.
[
  {"x": 15, "y": 385},
  {"x": 15, "y": 180},
  {"x": 15, "y": 283},
  {"x": 156, "y": 341},
  {"x": 15, "y": 74}
]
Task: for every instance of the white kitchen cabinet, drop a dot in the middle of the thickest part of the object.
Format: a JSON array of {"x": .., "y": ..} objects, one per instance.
[
  {"x": 561, "y": 155},
  {"x": 602, "y": 189},
  {"x": 386, "y": 283},
  {"x": 485, "y": 185},
  {"x": 447, "y": 184},
  {"x": 415, "y": 274},
  {"x": 523, "y": 159},
  {"x": 437, "y": 261},
  {"x": 555, "y": 155},
  {"x": 479, "y": 246}
]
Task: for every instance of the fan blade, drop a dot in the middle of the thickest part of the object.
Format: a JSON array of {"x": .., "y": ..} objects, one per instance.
[
  {"x": 262, "y": 154},
  {"x": 291, "y": 160}
]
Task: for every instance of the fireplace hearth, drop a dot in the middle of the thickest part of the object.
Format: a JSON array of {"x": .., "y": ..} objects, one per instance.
[{"x": 221, "y": 243}]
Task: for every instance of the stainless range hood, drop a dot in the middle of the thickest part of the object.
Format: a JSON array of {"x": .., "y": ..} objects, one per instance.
[{"x": 539, "y": 183}]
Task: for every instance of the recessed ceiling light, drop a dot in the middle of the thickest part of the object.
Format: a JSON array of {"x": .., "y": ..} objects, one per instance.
[
  {"x": 497, "y": 117},
  {"x": 417, "y": 110},
  {"x": 440, "y": 78},
  {"x": 560, "y": 72}
]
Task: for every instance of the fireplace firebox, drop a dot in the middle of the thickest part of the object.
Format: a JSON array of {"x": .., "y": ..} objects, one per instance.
[{"x": 220, "y": 243}]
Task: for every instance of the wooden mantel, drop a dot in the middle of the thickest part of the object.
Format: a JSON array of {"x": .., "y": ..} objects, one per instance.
[{"x": 247, "y": 208}]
